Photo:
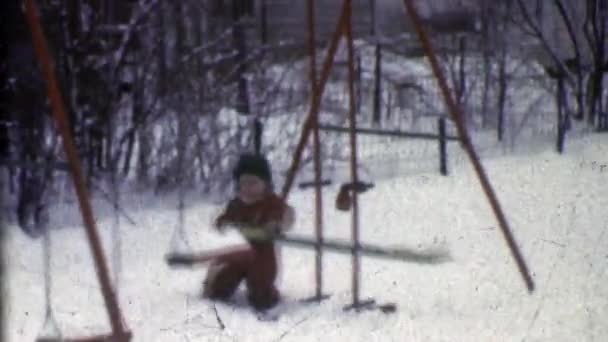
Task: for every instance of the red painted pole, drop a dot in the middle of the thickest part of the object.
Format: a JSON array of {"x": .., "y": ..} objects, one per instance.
[
  {"x": 353, "y": 155},
  {"x": 317, "y": 153},
  {"x": 457, "y": 116},
  {"x": 315, "y": 105},
  {"x": 61, "y": 119}
]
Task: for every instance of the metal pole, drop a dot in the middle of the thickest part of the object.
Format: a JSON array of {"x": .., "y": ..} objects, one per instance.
[
  {"x": 317, "y": 153},
  {"x": 316, "y": 104},
  {"x": 382, "y": 132},
  {"x": 61, "y": 118},
  {"x": 353, "y": 155},
  {"x": 457, "y": 117}
]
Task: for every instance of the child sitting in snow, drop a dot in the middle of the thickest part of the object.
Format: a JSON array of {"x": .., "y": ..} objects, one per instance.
[{"x": 259, "y": 212}]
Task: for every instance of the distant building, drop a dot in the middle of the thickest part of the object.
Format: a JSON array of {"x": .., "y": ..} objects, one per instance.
[{"x": 286, "y": 20}]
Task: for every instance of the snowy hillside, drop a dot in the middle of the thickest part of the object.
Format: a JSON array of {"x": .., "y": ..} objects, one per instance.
[{"x": 556, "y": 206}]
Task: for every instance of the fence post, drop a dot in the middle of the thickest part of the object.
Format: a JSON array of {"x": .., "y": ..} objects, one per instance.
[
  {"x": 560, "y": 116},
  {"x": 257, "y": 136},
  {"x": 561, "y": 134},
  {"x": 443, "y": 167}
]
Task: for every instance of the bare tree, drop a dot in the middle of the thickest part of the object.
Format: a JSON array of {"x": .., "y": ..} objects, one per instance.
[
  {"x": 573, "y": 22},
  {"x": 595, "y": 28}
]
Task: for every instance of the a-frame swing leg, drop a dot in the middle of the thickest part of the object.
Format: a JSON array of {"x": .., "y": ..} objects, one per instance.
[
  {"x": 319, "y": 296},
  {"x": 357, "y": 304},
  {"x": 60, "y": 115},
  {"x": 347, "y": 30},
  {"x": 457, "y": 116}
]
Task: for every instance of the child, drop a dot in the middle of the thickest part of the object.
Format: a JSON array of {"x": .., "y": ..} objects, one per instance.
[{"x": 259, "y": 210}]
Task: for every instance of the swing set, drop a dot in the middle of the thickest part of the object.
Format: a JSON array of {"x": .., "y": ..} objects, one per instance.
[
  {"x": 119, "y": 331},
  {"x": 347, "y": 199}
]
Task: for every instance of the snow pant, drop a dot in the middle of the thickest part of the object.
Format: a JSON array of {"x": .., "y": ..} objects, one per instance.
[{"x": 256, "y": 265}]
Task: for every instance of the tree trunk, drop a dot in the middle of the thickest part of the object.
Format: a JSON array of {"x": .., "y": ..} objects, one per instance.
[
  {"x": 242, "y": 104},
  {"x": 487, "y": 63},
  {"x": 183, "y": 117},
  {"x": 136, "y": 116},
  {"x": 143, "y": 162},
  {"x": 462, "y": 74},
  {"x": 502, "y": 94},
  {"x": 160, "y": 48},
  {"x": 263, "y": 22},
  {"x": 595, "y": 29}
]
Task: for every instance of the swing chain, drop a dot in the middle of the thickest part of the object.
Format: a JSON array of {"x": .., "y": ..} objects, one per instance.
[
  {"x": 116, "y": 238},
  {"x": 50, "y": 323},
  {"x": 179, "y": 234}
]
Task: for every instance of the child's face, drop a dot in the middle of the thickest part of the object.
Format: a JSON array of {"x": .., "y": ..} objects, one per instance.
[{"x": 251, "y": 188}]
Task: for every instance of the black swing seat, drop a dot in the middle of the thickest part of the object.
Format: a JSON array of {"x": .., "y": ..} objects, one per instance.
[
  {"x": 112, "y": 337},
  {"x": 310, "y": 184},
  {"x": 359, "y": 186}
]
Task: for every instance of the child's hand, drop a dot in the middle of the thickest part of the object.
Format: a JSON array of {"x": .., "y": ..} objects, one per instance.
[{"x": 274, "y": 227}]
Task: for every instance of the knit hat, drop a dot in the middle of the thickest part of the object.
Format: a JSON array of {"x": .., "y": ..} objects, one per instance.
[{"x": 253, "y": 164}]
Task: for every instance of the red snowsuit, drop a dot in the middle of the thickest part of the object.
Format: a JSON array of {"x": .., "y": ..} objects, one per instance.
[{"x": 255, "y": 263}]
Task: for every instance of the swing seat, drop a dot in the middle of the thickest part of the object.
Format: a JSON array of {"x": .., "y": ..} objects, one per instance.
[
  {"x": 310, "y": 184},
  {"x": 359, "y": 186}
]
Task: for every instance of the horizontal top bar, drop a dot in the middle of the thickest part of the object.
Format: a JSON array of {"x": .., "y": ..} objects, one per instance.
[{"x": 394, "y": 133}]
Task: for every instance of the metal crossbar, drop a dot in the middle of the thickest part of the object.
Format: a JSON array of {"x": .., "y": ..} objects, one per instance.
[{"x": 391, "y": 133}]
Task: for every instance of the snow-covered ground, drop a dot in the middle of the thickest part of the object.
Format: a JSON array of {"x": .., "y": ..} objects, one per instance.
[{"x": 556, "y": 206}]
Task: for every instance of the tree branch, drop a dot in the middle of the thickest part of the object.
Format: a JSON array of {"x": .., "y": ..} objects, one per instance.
[
  {"x": 568, "y": 22},
  {"x": 543, "y": 40}
]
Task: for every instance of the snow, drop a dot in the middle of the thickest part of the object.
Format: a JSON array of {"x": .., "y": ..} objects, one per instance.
[{"x": 556, "y": 206}]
